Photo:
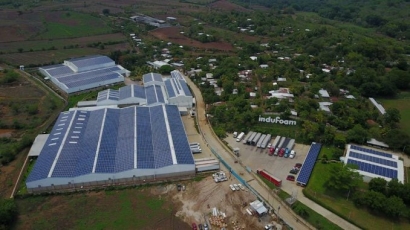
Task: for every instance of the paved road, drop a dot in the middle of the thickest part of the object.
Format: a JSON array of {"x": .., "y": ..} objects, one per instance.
[{"x": 285, "y": 213}]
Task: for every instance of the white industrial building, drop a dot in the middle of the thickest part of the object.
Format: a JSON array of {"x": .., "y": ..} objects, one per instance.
[
  {"x": 156, "y": 90},
  {"x": 373, "y": 163},
  {"x": 108, "y": 146},
  {"x": 84, "y": 73}
]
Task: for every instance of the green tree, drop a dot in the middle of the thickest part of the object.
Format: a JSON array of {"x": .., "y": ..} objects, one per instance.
[
  {"x": 394, "y": 207},
  {"x": 165, "y": 69},
  {"x": 391, "y": 116},
  {"x": 343, "y": 178},
  {"x": 374, "y": 200},
  {"x": 378, "y": 185},
  {"x": 8, "y": 211},
  {"x": 357, "y": 134}
]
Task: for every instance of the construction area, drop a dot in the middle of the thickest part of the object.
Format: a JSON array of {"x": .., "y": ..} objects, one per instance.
[{"x": 219, "y": 206}]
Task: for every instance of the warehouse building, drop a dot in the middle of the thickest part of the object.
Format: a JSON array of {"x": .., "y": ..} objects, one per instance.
[
  {"x": 156, "y": 90},
  {"x": 373, "y": 163},
  {"x": 107, "y": 146},
  {"x": 84, "y": 73}
]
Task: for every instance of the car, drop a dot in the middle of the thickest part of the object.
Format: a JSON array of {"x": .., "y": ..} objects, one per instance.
[
  {"x": 298, "y": 165},
  {"x": 269, "y": 145},
  {"x": 206, "y": 227},
  {"x": 268, "y": 227},
  {"x": 194, "y": 227},
  {"x": 200, "y": 226},
  {"x": 290, "y": 178},
  {"x": 292, "y": 154},
  {"x": 179, "y": 187},
  {"x": 281, "y": 152},
  {"x": 237, "y": 188},
  {"x": 294, "y": 171},
  {"x": 232, "y": 187},
  {"x": 241, "y": 187},
  {"x": 276, "y": 151},
  {"x": 287, "y": 152}
]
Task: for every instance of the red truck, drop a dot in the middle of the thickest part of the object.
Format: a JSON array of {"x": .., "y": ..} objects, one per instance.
[
  {"x": 271, "y": 150},
  {"x": 269, "y": 177}
]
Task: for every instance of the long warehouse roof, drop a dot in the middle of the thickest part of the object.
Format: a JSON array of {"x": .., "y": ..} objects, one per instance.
[{"x": 113, "y": 140}]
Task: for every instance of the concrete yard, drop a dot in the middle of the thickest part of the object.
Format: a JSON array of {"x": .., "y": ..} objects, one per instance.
[
  {"x": 256, "y": 158},
  {"x": 194, "y": 136}
]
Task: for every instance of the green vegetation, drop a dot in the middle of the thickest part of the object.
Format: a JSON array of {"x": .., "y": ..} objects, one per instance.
[
  {"x": 403, "y": 105},
  {"x": 74, "y": 25},
  {"x": 117, "y": 209},
  {"x": 8, "y": 212}
]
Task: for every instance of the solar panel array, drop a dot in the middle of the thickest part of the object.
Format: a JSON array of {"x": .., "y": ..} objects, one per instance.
[
  {"x": 371, "y": 151},
  {"x": 170, "y": 89},
  {"x": 378, "y": 170},
  {"x": 185, "y": 88},
  {"x": 125, "y": 92},
  {"x": 60, "y": 70},
  {"x": 154, "y": 94},
  {"x": 138, "y": 91},
  {"x": 309, "y": 163},
  {"x": 372, "y": 159},
  {"x": 90, "y": 79},
  {"x": 91, "y": 61},
  {"x": 150, "y": 77},
  {"x": 110, "y": 133}
]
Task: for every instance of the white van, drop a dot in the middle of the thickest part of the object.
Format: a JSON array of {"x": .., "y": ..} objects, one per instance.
[{"x": 235, "y": 134}]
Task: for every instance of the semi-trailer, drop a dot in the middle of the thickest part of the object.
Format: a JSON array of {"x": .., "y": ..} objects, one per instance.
[
  {"x": 256, "y": 138},
  {"x": 247, "y": 137},
  {"x": 276, "y": 142},
  {"x": 240, "y": 136},
  {"x": 249, "y": 141},
  {"x": 276, "y": 181},
  {"x": 265, "y": 142},
  {"x": 258, "y": 145},
  {"x": 291, "y": 144}
]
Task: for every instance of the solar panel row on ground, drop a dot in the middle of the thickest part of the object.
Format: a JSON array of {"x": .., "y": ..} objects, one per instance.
[
  {"x": 309, "y": 163},
  {"x": 371, "y": 151},
  {"x": 378, "y": 170},
  {"x": 373, "y": 159}
]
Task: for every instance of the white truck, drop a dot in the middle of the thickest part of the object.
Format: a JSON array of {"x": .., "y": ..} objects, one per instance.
[{"x": 240, "y": 136}]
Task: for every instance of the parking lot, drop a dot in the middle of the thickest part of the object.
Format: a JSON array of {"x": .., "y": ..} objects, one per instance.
[{"x": 258, "y": 158}]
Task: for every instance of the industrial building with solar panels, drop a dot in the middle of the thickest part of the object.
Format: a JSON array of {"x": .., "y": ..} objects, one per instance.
[
  {"x": 84, "y": 73},
  {"x": 131, "y": 135},
  {"x": 113, "y": 146},
  {"x": 373, "y": 163}
]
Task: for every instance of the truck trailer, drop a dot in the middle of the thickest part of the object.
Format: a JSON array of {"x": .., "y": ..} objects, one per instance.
[
  {"x": 258, "y": 145},
  {"x": 265, "y": 142},
  {"x": 245, "y": 140},
  {"x": 256, "y": 138},
  {"x": 291, "y": 144},
  {"x": 276, "y": 181},
  {"x": 249, "y": 141},
  {"x": 240, "y": 136}
]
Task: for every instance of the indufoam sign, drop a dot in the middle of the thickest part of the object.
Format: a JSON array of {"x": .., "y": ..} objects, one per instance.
[{"x": 276, "y": 120}]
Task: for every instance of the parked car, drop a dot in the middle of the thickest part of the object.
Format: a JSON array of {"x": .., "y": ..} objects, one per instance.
[
  {"x": 294, "y": 171},
  {"x": 232, "y": 187},
  {"x": 206, "y": 227},
  {"x": 237, "y": 188},
  {"x": 276, "y": 151},
  {"x": 290, "y": 178},
  {"x": 292, "y": 154},
  {"x": 281, "y": 152},
  {"x": 200, "y": 226},
  {"x": 194, "y": 227},
  {"x": 269, "y": 145},
  {"x": 268, "y": 227},
  {"x": 287, "y": 152},
  {"x": 298, "y": 165}
]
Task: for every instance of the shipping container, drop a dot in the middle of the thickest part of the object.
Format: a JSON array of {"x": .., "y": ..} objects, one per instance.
[
  {"x": 265, "y": 142},
  {"x": 276, "y": 181},
  {"x": 260, "y": 141},
  {"x": 240, "y": 136}
]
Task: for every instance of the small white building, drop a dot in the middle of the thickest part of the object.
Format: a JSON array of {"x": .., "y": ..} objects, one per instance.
[
  {"x": 325, "y": 106},
  {"x": 323, "y": 93},
  {"x": 377, "y": 105}
]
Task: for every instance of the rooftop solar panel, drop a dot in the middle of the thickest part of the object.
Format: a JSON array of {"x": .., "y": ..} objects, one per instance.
[
  {"x": 151, "y": 95},
  {"x": 372, "y": 159},
  {"x": 182, "y": 150},
  {"x": 160, "y": 95},
  {"x": 145, "y": 156},
  {"x": 150, "y": 77},
  {"x": 371, "y": 151},
  {"x": 309, "y": 163},
  {"x": 124, "y": 158},
  {"x": 185, "y": 88},
  {"x": 138, "y": 91},
  {"x": 91, "y": 60},
  {"x": 370, "y": 168},
  {"x": 160, "y": 141},
  {"x": 125, "y": 92},
  {"x": 59, "y": 71},
  {"x": 170, "y": 89}
]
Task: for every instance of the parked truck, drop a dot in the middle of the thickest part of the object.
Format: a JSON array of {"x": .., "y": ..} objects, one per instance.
[
  {"x": 276, "y": 181},
  {"x": 258, "y": 145},
  {"x": 240, "y": 136},
  {"x": 274, "y": 145},
  {"x": 291, "y": 144},
  {"x": 265, "y": 142}
]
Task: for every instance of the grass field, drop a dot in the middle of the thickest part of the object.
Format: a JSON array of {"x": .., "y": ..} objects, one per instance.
[
  {"x": 403, "y": 105},
  {"x": 342, "y": 205},
  {"x": 138, "y": 208},
  {"x": 73, "y": 24},
  {"x": 281, "y": 130}
]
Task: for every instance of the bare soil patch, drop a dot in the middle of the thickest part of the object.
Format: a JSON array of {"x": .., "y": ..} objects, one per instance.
[{"x": 173, "y": 35}]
